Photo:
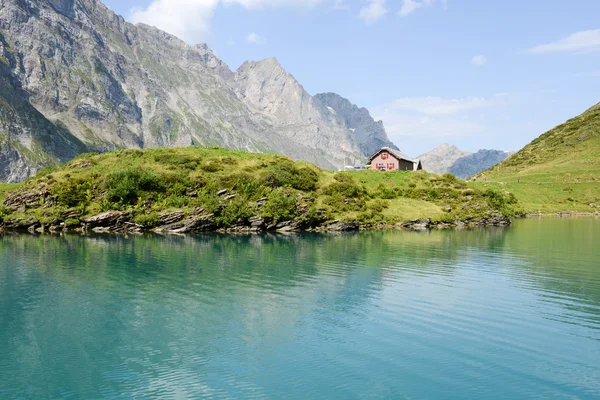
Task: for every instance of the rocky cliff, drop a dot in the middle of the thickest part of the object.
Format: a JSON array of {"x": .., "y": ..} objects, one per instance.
[
  {"x": 96, "y": 83},
  {"x": 370, "y": 135}
]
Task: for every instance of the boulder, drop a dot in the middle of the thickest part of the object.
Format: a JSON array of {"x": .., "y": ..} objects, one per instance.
[{"x": 107, "y": 219}]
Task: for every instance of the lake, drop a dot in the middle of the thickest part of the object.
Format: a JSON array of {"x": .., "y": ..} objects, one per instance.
[{"x": 493, "y": 313}]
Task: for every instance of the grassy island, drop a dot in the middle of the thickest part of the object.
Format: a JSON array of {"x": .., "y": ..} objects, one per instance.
[{"x": 211, "y": 189}]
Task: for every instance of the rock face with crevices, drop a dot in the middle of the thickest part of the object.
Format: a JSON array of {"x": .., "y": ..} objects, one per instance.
[
  {"x": 82, "y": 79},
  {"x": 369, "y": 134}
]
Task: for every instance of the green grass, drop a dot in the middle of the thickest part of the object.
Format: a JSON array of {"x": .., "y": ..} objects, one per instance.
[
  {"x": 6, "y": 188},
  {"x": 146, "y": 183},
  {"x": 559, "y": 171},
  {"x": 550, "y": 198}
]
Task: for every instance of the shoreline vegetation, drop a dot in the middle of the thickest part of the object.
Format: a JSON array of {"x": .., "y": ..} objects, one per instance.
[{"x": 188, "y": 190}]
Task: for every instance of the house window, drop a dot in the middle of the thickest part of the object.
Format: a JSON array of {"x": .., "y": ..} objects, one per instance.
[
  {"x": 384, "y": 156},
  {"x": 391, "y": 165},
  {"x": 380, "y": 166}
]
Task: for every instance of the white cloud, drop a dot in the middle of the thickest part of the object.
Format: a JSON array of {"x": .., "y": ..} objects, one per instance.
[
  {"x": 433, "y": 117},
  {"x": 437, "y": 105},
  {"x": 410, "y": 6},
  {"x": 254, "y": 38},
  {"x": 190, "y": 20},
  {"x": 374, "y": 11},
  {"x": 479, "y": 61},
  {"x": 578, "y": 41}
]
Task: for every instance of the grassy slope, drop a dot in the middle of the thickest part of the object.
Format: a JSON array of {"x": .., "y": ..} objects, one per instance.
[
  {"x": 151, "y": 181},
  {"x": 559, "y": 171}
]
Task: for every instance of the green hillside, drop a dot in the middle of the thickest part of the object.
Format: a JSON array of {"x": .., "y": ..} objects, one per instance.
[
  {"x": 216, "y": 189},
  {"x": 559, "y": 171}
]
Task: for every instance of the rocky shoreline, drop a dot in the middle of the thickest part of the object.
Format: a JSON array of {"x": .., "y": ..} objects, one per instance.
[{"x": 199, "y": 221}]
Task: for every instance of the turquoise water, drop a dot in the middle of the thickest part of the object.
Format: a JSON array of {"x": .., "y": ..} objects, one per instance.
[{"x": 483, "y": 314}]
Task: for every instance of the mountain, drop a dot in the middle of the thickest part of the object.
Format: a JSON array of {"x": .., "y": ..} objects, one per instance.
[
  {"x": 94, "y": 82},
  {"x": 568, "y": 153},
  {"x": 475, "y": 163},
  {"x": 27, "y": 139},
  {"x": 369, "y": 134},
  {"x": 450, "y": 159},
  {"x": 557, "y": 172},
  {"x": 440, "y": 159}
]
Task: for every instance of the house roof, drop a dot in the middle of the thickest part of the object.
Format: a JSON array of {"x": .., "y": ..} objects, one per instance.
[{"x": 396, "y": 153}]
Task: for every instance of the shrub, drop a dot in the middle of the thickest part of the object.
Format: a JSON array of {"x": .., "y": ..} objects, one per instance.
[
  {"x": 148, "y": 221},
  {"x": 450, "y": 178},
  {"x": 370, "y": 217},
  {"x": 242, "y": 183},
  {"x": 73, "y": 192},
  {"x": 234, "y": 212},
  {"x": 338, "y": 203},
  {"x": 379, "y": 205},
  {"x": 176, "y": 201},
  {"x": 280, "y": 205},
  {"x": 212, "y": 166},
  {"x": 71, "y": 222},
  {"x": 386, "y": 192},
  {"x": 208, "y": 200},
  {"x": 126, "y": 186},
  {"x": 285, "y": 173},
  {"x": 344, "y": 185}
]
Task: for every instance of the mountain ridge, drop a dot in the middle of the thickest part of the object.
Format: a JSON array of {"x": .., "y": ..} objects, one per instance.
[
  {"x": 111, "y": 85},
  {"x": 463, "y": 164}
]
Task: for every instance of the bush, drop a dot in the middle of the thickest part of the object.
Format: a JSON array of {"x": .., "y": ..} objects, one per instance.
[
  {"x": 234, "y": 212},
  {"x": 344, "y": 185},
  {"x": 73, "y": 192},
  {"x": 242, "y": 183},
  {"x": 386, "y": 192},
  {"x": 126, "y": 186},
  {"x": 285, "y": 173},
  {"x": 495, "y": 199},
  {"x": 212, "y": 166},
  {"x": 379, "y": 205},
  {"x": 148, "y": 221},
  {"x": 450, "y": 178},
  {"x": 71, "y": 222},
  {"x": 338, "y": 203},
  {"x": 280, "y": 205},
  {"x": 370, "y": 217}
]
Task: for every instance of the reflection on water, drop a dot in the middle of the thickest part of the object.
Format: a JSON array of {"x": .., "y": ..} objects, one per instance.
[{"x": 490, "y": 313}]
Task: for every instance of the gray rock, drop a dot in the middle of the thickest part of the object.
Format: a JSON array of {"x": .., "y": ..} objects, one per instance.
[
  {"x": 370, "y": 135},
  {"x": 105, "y": 220}
]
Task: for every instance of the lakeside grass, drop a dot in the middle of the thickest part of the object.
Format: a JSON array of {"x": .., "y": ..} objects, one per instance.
[
  {"x": 147, "y": 183},
  {"x": 551, "y": 197}
]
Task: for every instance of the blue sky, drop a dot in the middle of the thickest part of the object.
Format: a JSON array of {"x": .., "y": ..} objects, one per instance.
[{"x": 477, "y": 74}]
